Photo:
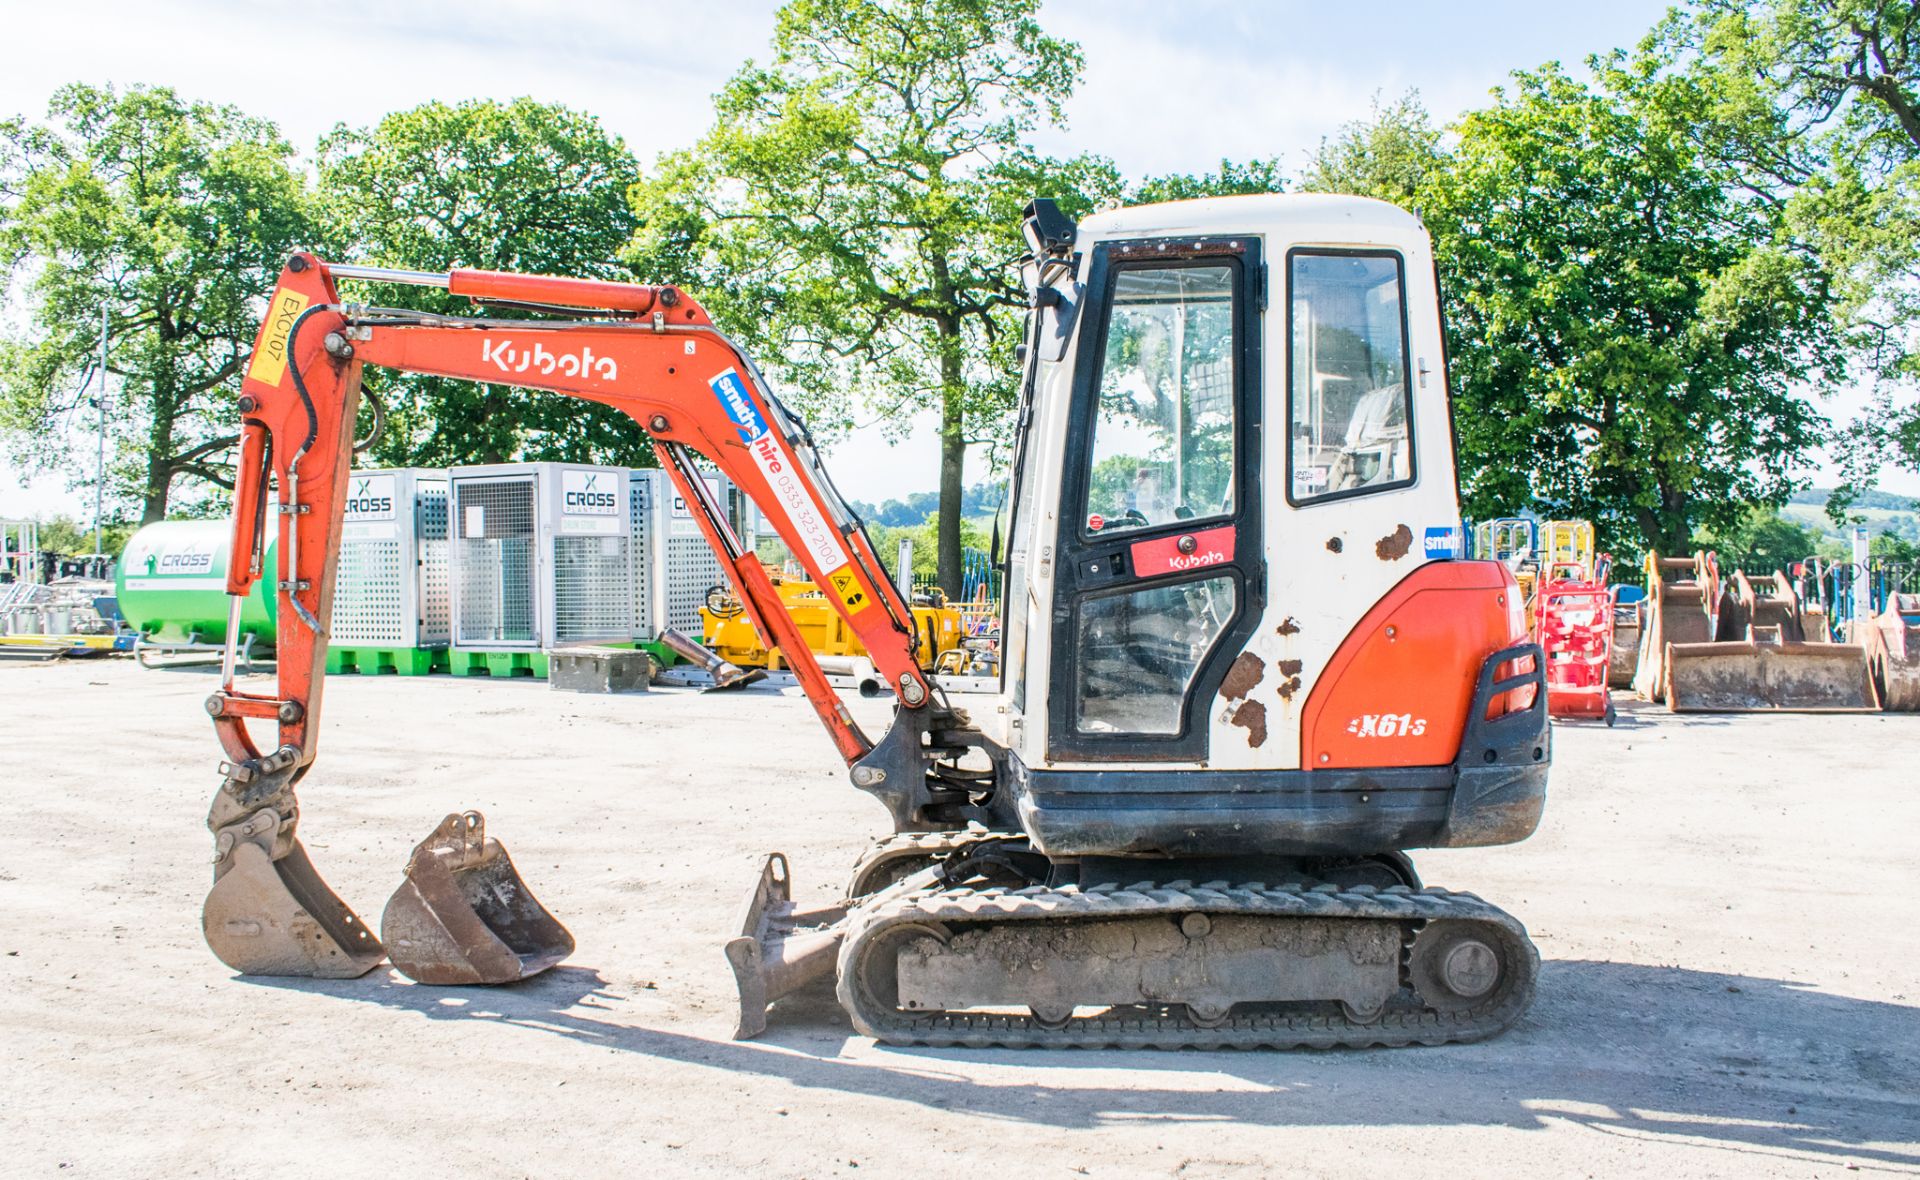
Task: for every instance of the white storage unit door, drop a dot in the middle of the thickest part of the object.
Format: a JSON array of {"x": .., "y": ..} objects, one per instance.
[
  {"x": 391, "y": 586},
  {"x": 495, "y": 561}
]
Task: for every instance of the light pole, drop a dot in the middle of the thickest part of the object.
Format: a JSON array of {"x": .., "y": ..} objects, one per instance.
[{"x": 100, "y": 452}]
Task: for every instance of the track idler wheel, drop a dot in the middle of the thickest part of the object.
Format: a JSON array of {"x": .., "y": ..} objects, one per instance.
[
  {"x": 464, "y": 915},
  {"x": 1456, "y": 967}
]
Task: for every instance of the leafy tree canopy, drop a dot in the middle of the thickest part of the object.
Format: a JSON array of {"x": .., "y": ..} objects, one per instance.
[
  {"x": 855, "y": 209},
  {"x": 1824, "y": 100},
  {"x": 1761, "y": 541},
  {"x": 1387, "y": 156},
  {"x": 1627, "y": 329},
  {"x": 521, "y": 186},
  {"x": 171, "y": 218}
]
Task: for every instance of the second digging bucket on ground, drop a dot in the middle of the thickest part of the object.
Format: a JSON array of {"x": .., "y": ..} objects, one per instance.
[{"x": 464, "y": 915}]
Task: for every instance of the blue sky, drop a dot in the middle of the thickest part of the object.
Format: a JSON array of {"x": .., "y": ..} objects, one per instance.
[{"x": 1169, "y": 86}]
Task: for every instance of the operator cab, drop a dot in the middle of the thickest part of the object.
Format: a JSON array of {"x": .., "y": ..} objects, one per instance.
[{"x": 1233, "y": 438}]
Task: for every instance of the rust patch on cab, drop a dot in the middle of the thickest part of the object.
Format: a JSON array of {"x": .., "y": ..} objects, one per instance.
[
  {"x": 1247, "y": 671},
  {"x": 1252, "y": 717},
  {"x": 1291, "y": 670},
  {"x": 1288, "y": 626},
  {"x": 1394, "y": 546}
]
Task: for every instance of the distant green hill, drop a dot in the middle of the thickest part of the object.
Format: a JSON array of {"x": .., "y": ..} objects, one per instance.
[
  {"x": 1881, "y": 512},
  {"x": 1883, "y": 501}
]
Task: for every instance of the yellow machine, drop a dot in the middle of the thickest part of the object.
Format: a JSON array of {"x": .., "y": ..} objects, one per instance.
[
  {"x": 1532, "y": 548},
  {"x": 1567, "y": 542},
  {"x": 730, "y": 634}
]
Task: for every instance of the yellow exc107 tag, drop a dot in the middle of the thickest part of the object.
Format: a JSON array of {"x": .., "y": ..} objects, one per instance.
[{"x": 270, "y": 358}]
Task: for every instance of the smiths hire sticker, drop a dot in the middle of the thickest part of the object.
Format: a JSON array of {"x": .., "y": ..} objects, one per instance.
[
  {"x": 1447, "y": 541},
  {"x": 821, "y": 539}
]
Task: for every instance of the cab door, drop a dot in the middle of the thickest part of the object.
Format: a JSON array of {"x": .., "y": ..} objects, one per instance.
[{"x": 1161, "y": 568}]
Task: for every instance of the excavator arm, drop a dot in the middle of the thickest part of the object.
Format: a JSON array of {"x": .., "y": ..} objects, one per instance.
[{"x": 650, "y": 351}]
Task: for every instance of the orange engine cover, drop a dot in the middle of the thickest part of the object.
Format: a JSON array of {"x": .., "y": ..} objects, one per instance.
[{"x": 1396, "y": 692}]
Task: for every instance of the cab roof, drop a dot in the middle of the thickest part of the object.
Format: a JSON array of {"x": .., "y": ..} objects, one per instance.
[{"x": 1300, "y": 216}]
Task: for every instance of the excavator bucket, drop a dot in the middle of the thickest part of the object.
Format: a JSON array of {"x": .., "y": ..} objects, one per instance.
[
  {"x": 1757, "y": 676},
  {"x": 1681, "y": 592},
  {"x": 464, "y": 915},
  {"x": 278, "y": 917},
  {"x": 1627, "y": 627},
  {"x": 1761, "y": 661},
  {"x": 1893, "y": 650}
]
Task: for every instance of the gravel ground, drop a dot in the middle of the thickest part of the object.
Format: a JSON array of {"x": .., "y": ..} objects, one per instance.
[{"x": 1728, "y": 987}]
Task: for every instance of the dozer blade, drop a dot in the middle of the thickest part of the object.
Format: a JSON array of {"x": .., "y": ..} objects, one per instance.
[
  {"x": 1769, "y": 677},
  {"x": 277, "y": 917},
  {"x": 780, "y": 947},
  {"x": 464, "y": 916}
]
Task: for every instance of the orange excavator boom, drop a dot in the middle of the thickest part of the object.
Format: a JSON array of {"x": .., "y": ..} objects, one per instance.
[{"x": 650, "y": 351}]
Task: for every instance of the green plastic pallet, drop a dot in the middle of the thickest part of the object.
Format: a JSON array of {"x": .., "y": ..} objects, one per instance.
[
  {"x": 500, "y": 663},
  {"x": 376, "y": 661}
]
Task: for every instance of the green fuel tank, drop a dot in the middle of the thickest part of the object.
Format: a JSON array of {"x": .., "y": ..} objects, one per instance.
[{"x": 172, "y": 584}]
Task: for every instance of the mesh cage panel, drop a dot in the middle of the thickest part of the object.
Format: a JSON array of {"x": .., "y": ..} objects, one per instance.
[
  {"x": 692, "y": 570},
  {"x": 367, "y": 598},
  {"x": 493, "y": 561},
  {"x": 435, "y": 610},
  {"x": 592, "y": 588},
  {"x": 640, "y": 520}
]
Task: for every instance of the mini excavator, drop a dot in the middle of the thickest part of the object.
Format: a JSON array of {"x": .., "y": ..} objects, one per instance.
[{"x": 1245, "y": 665}]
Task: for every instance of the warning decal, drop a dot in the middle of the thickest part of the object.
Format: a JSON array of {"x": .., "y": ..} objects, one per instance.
[
  {"x": 847, "y": 588},
  {"x": 270, "y": 356}
]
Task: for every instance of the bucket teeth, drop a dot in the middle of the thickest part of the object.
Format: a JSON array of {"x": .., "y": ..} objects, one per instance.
[
  {"x": 464, "y": 916},
  {"x": 267, "y": 916}
]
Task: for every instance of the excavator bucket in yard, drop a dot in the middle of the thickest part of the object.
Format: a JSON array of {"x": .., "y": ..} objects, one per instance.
[
  {"x": 1681, "y": 595},
  {"x": 464, "y": 915},
  {"x": 1893, "y": 650},
  {"x": 1628, "y": 623},
  {"x": 270, "y": 915},
  {"x": 1762, "y": 662},
  {"x": 1758, "y": 677}
]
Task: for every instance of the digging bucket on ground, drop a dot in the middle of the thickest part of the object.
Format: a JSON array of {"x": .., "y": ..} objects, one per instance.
[{"x": 464, "y": 916}]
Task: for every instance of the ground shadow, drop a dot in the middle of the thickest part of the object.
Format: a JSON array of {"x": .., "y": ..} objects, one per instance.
[{"x": 1736, "y": 1063}]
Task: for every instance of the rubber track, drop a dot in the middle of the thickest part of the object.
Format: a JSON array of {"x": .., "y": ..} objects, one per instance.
[
  {"x": 929, "y": 845},
  {"x": 1171, "y": 1028}
]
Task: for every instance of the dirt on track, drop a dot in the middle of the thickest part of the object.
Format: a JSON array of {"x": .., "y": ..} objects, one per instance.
[{"x": 1730, "y": 984}]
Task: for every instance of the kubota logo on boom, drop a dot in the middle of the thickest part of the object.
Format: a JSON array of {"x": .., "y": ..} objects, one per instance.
[
  {"x": 580, "y": 363},
  {"x": 1386, "y": 725}
]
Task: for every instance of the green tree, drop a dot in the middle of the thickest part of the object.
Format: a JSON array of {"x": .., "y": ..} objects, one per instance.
[
  {"x": 1231, "y": 179},
  {"x": 521, "y": 186},
  {"x": 1834, "y": 87},
  {"x": 1760, "y": 542},
  {"x": 853, "y": 213},
  {"x": 1627, "y": 330},
  {"x": 1389, "y": 155},
  {"x": 171, "y": 218},
  {"x": 71, "y": 538}
]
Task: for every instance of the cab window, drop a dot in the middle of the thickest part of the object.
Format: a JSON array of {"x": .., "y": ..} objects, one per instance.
[
  {"x": 1348, "y": 383},
  {"x": 1163, "y": 439}
]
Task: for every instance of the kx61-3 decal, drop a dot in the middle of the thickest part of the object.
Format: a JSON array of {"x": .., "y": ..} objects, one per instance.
[{"x": 1386, "y": 725}]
